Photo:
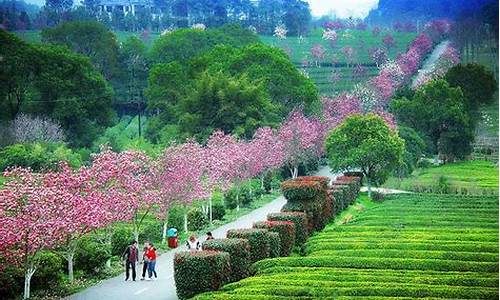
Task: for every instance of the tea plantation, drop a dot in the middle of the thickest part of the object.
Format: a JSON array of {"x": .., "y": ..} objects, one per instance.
[{"x": 408, "y": 246}]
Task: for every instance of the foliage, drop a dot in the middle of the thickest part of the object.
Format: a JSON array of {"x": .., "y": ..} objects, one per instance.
[
  {"x": 25, "y": 129},
  {"x": 231, "y": 104},
  {"x": 176, "y": 217},
  {"x": 200, "y": 271},
  {"x": 121, "y": 238},
  {"x": 286, "y": 230},
  {"x": 197, "y": 219},
  {"x": 38, "y": 156},
  {"x": 477, "y": 84},
  {"x": 91, "y": 256},
  {"x": 152, "y": 231},
  {"x": 438, "y": 112},
  {"x": 366, "y": 143},
  {"x": 50, "y": 270},
  {"x": 300, "y": 221},
  {"x": 218, "y": 211},
  {"x": 274, "y": 244},
  {"x": 258, "y": 240},
  {"x": 239, "y": 252},
  {"x": 54, "y": 82},
  {"x": 415, "y": 148},
  {"x": 300, "y": 191}
]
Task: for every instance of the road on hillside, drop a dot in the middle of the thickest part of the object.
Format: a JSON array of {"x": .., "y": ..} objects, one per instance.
[
  {"x": 164, "y": 288},
  {"x": 430, "y": 61}
]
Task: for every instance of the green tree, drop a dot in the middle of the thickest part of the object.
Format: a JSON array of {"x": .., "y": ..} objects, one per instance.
[
  {"x": 231, "y": 104},
  {"x": 477, "y": 84},
  {"x": 415, "y": 148},
  {"x": 91, "y": 39},
  {"x": 438, "y": 112},
  {"x": 365, "y": 143}
]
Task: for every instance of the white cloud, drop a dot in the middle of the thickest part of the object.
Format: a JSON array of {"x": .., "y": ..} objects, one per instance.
[{"x": 342, "y": 8}]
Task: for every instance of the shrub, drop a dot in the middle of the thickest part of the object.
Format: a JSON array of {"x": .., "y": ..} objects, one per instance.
[
  {"x": 274, "y": 244},
  {"x": 286, "y": 230},
  {"x": 197, "y": 219},
  {"x": 230, "y": 200},
  {"x": 11, "y": 280},
  {"x": 378, "y": 196},
  {"x": 295, "y": 190},
  {"x": 258, "y": 240},
  {"x": 176, "y": 217},
  {"x": 91, "y": 256},
  {"x": 152, "y": 231},
  {"x": 200, "y": 271},
  {"x": 354, "y": 174},
  {"x": 239, "y": 252},
  {"x": 120, "y": 239},
  {"x": 218, "y": 211},
  {"x": 245, "y": 196},
  {"x": 49, "y": 272},
  {"x": 300, "y": 221}
]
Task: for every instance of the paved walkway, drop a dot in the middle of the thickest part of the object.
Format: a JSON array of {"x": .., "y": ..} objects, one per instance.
[
  {"x": 164, "y": 288},
  {"x": 430, "y": 61},
  {"x": 385, "y": 191}
]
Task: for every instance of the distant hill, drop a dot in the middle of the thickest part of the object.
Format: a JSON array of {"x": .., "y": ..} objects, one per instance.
[
  {"x": 390, "y": 11},
  {"x": 19, "y": 6}
]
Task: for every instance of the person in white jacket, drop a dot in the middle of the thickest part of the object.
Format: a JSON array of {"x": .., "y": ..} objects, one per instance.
[{"x": 193, "y": 244}]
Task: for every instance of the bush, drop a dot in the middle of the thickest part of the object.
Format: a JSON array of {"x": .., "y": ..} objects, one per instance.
[
  {"x": 274, "y": 244},
  {"x": 256, "y": 187},
  {"x": 152, "y": 231},
  {"x": 230, "y": 200},
  {"x": 49, "y": 271},
  {"x": 197, "y": 219},
  {"x": 200, "y": 271},
  {"x": 120, "y": 239},
  {"x": 91, "y": 256},
  {"x": 11, "y": 282},
  {"x": 377, "y": 196},
  {"x": 258, "y": 240},
  {"x": 245, "y": 197},
  {"x": 286, "y": 230},
  {"x": 300, "y": 191},
  {"x": 218, "y": 211},
  {"x": 239, "y": 252},
  {"x": 176, "y": 217},
  {"x": 300, "y": 221}
]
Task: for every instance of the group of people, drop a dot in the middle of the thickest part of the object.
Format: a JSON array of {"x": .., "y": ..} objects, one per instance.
[{"x": 131, "y": 257}]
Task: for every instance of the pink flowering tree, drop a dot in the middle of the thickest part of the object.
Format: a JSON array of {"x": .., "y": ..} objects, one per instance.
[
  {"x": 330, "y": 35},
  {"x": 181, "y": 177},
  {"x": 33, "y": 217},
  {"x": 300, "y": 140},
  {"x": 128, "y": 180},
  {"x": 348, "y": 55},
  {"x": 318, "y": 53},
  {"x": 378, "y": 55},
  {"x": 338, "y": 108},
  {"x": 388, "y": 41},
  {"x": 267, "y": 154}
]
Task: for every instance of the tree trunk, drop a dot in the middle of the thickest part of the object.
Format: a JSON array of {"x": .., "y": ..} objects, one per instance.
[
  {"x": 369, "y": 185},
  {"x": 69, "y": 256},
  {"x": 210, "y": 209},
  {"x": 136, "y": 234},
  {"x": 185, "y": 223},
  {"x": 262, "y": 181},
  {"x": 164, "y": 233},
  {"x": 27, "y": 280},
  {"x": 238, "y": 200},
  {"x": 108, "y": 263}
]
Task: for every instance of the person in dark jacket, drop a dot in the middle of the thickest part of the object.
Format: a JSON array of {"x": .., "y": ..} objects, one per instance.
[{"x": 131, "y": 256}]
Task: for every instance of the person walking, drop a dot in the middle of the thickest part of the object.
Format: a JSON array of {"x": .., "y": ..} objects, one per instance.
[
  {"x": 131, "y": 256},
  {"x": 192, "y": 243},
  {"x": 151, "y": 255},
  {"x": 145, "y": 259}
]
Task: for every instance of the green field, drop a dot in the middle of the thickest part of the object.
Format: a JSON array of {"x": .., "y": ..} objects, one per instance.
[
  {"x": 361, "y": 41},
  {"x": 467, "y": 177},
  {"x": 408, "y": 246}
]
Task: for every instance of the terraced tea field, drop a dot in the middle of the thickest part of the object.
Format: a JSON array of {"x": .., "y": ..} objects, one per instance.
[
  {"x": 360, "y": 40},
  {"x": 409, "y": 246}
]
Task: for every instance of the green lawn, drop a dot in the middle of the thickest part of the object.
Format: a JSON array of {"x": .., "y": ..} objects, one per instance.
[
  {"x": 408, "y": 246},
  {"x": 470, "y": 177}
]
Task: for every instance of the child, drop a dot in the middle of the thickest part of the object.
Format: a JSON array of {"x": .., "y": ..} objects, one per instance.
[{"x": 193, "y": 244}]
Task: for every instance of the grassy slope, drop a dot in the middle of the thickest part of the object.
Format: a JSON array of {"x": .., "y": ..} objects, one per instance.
[
  {"x": 414, "y": 246},
  {"x": 476, "y": 176}
]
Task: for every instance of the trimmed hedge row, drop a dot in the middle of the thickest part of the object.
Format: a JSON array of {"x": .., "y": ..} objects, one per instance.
[
  {"x": 286, "y": 231},
  {"x": 239, "y": 252},
  {"x": 300, "y": 221},
  {"x": 200, "y": 271},
  {"x": 258, "y": 240},
  {"x": 274, "y": 244}
]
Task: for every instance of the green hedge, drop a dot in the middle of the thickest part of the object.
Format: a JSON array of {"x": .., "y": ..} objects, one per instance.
[
  {"x": 258, "y": 240},
  {"x": 200, "y": 271},
  {"x": 239, "y": 251},
  {"x": 300, "y": 191},
  {"x": 274, "y": 244},
  {"x": 300, "y": 221},
  {"x": 286, "y": 230}
]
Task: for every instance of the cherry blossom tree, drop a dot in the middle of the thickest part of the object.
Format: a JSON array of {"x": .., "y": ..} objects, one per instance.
[
  {"x": 330, "y": 35},
  {"x": 318, "y": 53},
  {"x": 388, "y": 41},
  {"x": 280, "y": 31},
  {"x": 25, "y": 128},
  {"x": 348, "y": 55},
  {"x": 267, "y": 154},
  {"x": 378, "y": 55}
]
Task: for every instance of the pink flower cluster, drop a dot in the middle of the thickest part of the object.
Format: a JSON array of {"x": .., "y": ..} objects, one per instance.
[{"x": 449, "y": 58}]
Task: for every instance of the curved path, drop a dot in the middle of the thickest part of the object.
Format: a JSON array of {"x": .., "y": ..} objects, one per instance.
[
  {"x": 430, "y": 61},
  {"x": 164, "y": 288}
]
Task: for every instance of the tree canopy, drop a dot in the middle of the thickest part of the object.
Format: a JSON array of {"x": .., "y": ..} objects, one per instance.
[{"x": 365, "y": 143}]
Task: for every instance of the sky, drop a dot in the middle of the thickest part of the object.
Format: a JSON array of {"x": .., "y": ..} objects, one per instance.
[{"x": 342, "y": 8}]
